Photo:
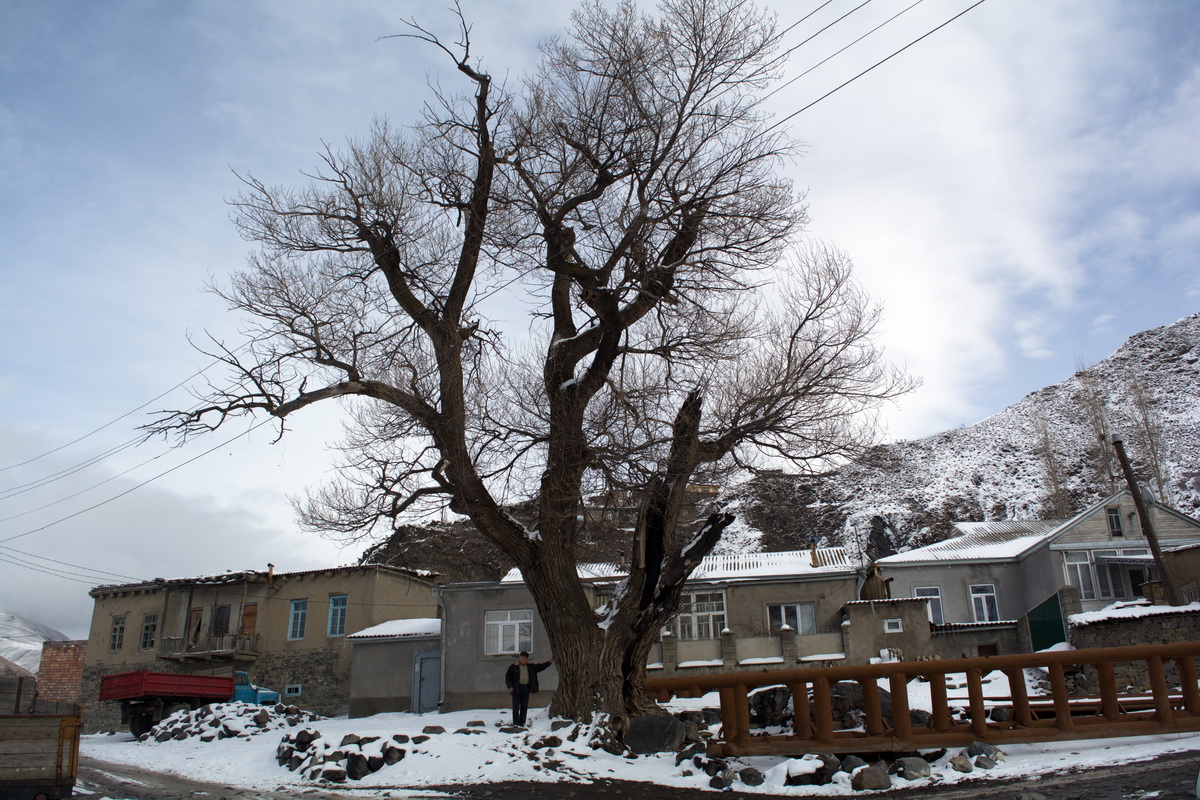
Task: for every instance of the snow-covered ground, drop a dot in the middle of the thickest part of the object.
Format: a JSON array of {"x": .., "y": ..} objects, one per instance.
[{"x": 489, "y": 755}]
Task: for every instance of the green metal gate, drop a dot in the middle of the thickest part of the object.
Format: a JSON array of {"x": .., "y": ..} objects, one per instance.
[{"x": 1046, "y": 624}]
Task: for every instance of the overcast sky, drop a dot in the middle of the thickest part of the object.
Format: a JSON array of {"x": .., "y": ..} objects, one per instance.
[{"x": 1020, "y": 190}]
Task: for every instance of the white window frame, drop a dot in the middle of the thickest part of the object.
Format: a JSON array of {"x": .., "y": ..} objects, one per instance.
[
  {"x": 1112, "y": 514},
  {"x": 298, "y": 619},
  {"x": 800, "y": 617},
  {"x": 293, "y": 690},
  {"x": 508, "y": 631},
  {"x": 893, "y": 625},
  {"x": 701, "y": 615},
  {"x": 339, "y": 605},
  {"x": 934, "y": 607},
  {"x": 1077, "y": 567},
  {"x": 981, "y": 609}
]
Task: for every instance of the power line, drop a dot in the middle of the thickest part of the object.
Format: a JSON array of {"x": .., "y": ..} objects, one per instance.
[
  {"x": 114, "y": 421},
  {"x": 138, "y": 486},
  {"x": 66, "y": 563},
  {"x": 84, "y": 491},
  {"x": 868, "y": 69}
]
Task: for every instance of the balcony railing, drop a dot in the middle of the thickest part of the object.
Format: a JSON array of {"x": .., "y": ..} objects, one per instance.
[{"x": 231, "y": 646}]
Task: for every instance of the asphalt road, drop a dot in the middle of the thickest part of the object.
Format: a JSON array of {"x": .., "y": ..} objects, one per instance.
[{"x": 1169, "y": 777}]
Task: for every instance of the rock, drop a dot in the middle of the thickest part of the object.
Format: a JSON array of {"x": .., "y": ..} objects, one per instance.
[
  {"x": 393, "y": 754},
  {"x": 367, "y": 740},
  {"x": 654, "y": 733},
  {"x": 333, "y": 774},
  {"x": 751, "y": 776},
  {"x": 305, "y": 737},
  {"x": 771, "y": 707},
  {"x": 348, "y": 739},
  {"x": 262, "y": 719},
  {"x": 984, "y": 762},
  {"x": 294, "y": 762},
  {"x": 433, "y": 729},
  {"x": 555, "y": 725},
  {"x": 180, "y": 735},
  {"x": 478, "y": 723},
  {"x": 722, "y": 780},
  {"x": 712, "y": 766},
  {"x": 804, "y": 771},
  {"x": 510, "y": 729},
  {"x": 978, "y": 748},
  {"x": 1000, "y": 714},
  {"x": 961, "y": 763},
  {"x": 420, "y": 739},
  {"x": 830, "y": 766},
  {"x": 702, "y": 717},
  {"x": 1029, "y": 796},
  {"x": 400, "y": 738},
  {"x": 872, "y": 777},
  {"x": 547, "y": 741},
  {"x": 691, "y": 751},
  {"x": 357, "y": 767},
  {"x": 375, "y": 763},
  {"x": 910, "y": 768},
  {"x": 852, "y": 762}
]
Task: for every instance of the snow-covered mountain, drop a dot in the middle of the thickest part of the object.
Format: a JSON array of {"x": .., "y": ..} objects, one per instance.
[
  {"x": 1040, "y": 457},
  {"x": 21, "y": 640}
]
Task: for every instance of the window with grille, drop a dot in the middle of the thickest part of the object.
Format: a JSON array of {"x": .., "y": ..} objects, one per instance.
[
  {"x": 149, "y": 631},
  {"x": 117, "y": 639}
]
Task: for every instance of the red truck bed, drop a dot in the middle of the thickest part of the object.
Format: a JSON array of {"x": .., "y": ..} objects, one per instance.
[{"x": 128, "y": 685}]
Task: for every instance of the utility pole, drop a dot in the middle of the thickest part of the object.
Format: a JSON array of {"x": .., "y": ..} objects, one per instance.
[{"x": 1147, "y": 526}]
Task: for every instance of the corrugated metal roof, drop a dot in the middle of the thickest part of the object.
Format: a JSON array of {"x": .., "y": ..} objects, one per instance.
[
  {"x": 982, "y": 540},
  {"x": 739, "y": 566}
]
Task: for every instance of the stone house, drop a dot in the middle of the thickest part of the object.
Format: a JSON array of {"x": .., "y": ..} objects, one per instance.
[
  {"x": 761, "y": 610},
  {"x": 1030, "y": 575},
  {"x": 287, "y": 630}
]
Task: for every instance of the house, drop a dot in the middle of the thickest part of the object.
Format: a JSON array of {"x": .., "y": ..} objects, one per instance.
[
  {"x": 766, "y": 610},
  {"x": 287, "y": 630},
  {"x": 1021, "y": 578},
  {"x": 396, "y": 666}
]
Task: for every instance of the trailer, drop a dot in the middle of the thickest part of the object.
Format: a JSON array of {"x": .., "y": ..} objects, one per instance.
[
  {"x": 147, "y": 698},
  {"x": 39, "y": 744}
]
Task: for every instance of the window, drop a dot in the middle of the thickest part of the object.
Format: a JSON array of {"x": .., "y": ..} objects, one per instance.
[
  {"x": 299, "y": 618},
  {"x": 797, "y": 616},
  {"x": 221, "y": 621},
  {"x": 118, "y": 633},
  {"x": 337, "y": 614},
  {"x": 983, "y": 602},
  {"x": 701, "y": 615},
  {"x": 508, "y": 631},
  {"x": 1114, "y": 522},
  {"x": 1079, "y": 573},
  {"x": 292, "y": 690},
  {"x": 934, "y": 595},
  {"x": 149, "y": 631},
  {"x": 893, "y": 626}
]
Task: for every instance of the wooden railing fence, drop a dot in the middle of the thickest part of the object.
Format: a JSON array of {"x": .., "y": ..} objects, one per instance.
[{"x": 1060, "y": 715}]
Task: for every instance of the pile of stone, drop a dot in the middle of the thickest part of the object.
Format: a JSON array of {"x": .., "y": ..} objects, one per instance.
[
  {"x": 819, "y": 769},
  {"x": 228, "y": 720}
]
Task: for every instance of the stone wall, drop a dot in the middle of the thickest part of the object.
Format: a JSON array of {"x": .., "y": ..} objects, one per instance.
[
  {"x": 61, "y": 672},
  {"x": 1159, "y": 628},
  {"x": 323, "y": 678}
]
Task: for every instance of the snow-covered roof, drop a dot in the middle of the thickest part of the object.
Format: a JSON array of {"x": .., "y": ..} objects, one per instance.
[
  {"x": 1004, "y": 539},
  {"x": 738, "y": 566},
  {"x": 260, "y": 576},
  {"x": 399, "y": 628},
  {"x": 1130, "y": 610}
]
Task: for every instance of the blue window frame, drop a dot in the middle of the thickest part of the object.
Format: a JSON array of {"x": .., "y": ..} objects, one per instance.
[
  {"x": 299, "y": 619},
  {"x": 337, "y": 614}
]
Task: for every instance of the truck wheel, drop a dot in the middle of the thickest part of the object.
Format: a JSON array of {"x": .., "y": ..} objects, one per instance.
[
  {"x": 140, "y": 724},
  {"x": 173, "y": 707}
]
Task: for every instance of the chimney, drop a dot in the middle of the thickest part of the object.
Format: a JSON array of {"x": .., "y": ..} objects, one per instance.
[{"x": 270, "y": 575}]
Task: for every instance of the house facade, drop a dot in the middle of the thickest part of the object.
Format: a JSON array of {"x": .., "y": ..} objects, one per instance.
[
  {"x": 759, "y": 610},
  {"x": 287, "y": 630},
  {"x": 1034, "y": 573}
]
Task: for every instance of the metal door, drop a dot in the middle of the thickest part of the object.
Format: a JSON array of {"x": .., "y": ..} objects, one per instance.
[
  {"x": 1046, "y": 624},
  {"x": 427, "y": 681}
]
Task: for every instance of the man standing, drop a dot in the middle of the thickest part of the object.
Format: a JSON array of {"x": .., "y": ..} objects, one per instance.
[{"x": 521, "y": 680}]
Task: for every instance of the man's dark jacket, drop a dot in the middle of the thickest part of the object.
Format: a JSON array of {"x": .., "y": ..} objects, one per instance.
[{"x": 514, "y": 674}]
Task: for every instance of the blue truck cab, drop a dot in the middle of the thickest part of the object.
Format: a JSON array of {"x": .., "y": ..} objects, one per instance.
[{"x": 246, "y": 692}]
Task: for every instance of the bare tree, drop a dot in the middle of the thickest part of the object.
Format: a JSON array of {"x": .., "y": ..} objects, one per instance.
[
  {"x": 1148, "y": 432},
  {"x": 1057, "y": 503},
  {"x": 627, "y": 201},
  {"x": 1093, "y": 398}
]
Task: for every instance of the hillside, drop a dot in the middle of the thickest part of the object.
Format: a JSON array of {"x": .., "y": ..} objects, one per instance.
[
  {"x": 1004, "y": 466},
  {"x": 1039, "y": 457},
  {"x": 21, "y": 640}
]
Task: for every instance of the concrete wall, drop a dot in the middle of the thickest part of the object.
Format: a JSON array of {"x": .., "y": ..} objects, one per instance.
[
  {"x": 866, "y": 633},
  {"x": 60, "y": 674},
  {"x": 381, "y": 674},
  {"x": 955, "y": 580}
]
